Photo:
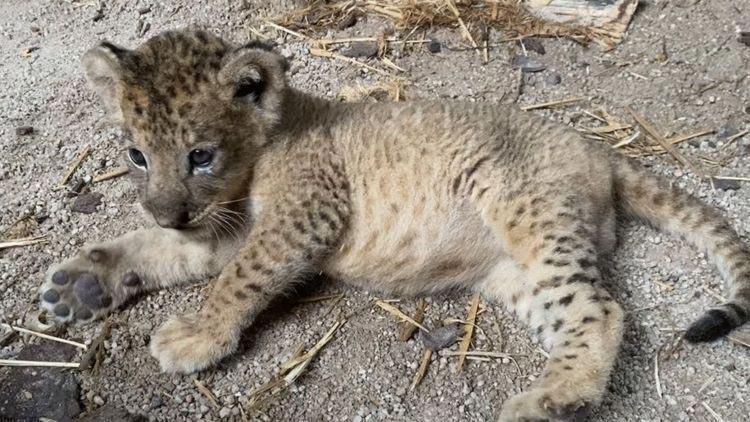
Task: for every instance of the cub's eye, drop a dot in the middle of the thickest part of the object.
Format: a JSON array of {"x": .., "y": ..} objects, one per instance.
[
  {"x": 200, "y": 157},
  {"x": 137, "y": 158}
]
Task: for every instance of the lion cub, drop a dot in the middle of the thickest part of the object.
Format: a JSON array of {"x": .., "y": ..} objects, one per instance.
[{"x": 258, "y": 183}]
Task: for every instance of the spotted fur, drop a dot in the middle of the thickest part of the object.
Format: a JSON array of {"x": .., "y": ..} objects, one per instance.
[{"x": 399, "y": 197}]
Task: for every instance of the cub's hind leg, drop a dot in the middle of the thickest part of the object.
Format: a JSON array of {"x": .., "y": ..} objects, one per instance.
[{"x": 557, "y": 291}]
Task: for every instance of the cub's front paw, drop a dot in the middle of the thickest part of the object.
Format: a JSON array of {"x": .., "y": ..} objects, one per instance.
[
  {"x": 87, "y": 287},
  {"x": 191, "y": 343}
]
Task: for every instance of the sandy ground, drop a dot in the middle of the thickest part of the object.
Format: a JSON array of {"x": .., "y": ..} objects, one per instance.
[{"x": 364, "y": 372}]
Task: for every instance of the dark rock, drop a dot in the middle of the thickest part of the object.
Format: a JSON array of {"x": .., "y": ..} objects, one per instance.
[
  {"x": 528, "y": 64},
  {"x": 112, "y": 413},
  {"x": 553, "y": 78},
  {"x": 348, "y": 21},
  {"x": 434, "y": 46},
  {"x": 76, "y": 188},
  {"x": 534, "y": 44},
  {"x": 34, "y": 393},
  {"x": 726, "y": 184},
  {"x": 727, "y": 131},
  {"x": 442, "y": 337},
  {"x": 24, "y": 130},
  {"x": 361, "y": 49},
  {"x": 86, "y": 203}
]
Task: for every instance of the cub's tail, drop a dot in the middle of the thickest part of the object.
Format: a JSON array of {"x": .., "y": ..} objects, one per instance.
[{"x": 650, "y": 197}]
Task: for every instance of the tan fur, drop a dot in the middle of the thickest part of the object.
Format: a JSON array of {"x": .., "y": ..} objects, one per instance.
[{"x": 405, "y": 198}]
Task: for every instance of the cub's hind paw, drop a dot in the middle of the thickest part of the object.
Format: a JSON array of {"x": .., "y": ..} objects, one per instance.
[
  {"x": 545, "y": 405},
  {"x": 83, "y": 288}
]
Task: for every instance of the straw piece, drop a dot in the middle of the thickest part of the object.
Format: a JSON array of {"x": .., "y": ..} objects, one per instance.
[
  {"x": 398, "y": 314},
  {"x": 648, "y": 127},
  {"x": 45, "y": 336},
  {"x": 469, "y": 327},
  {"x": 424, "y": 364},
  {"x": 206, "y": 392},
  {"x": 10, "y": 362},
  {"x": 548, "y": 104},
  {"x": 288, "y": 31},
  {"x": 331, "y": 55},
  {"x": 74, "y": 165},
  {"x": 110, "y": 175},
  {"x": 23, "y": 242},
  {"x": 407, "y": 328}
]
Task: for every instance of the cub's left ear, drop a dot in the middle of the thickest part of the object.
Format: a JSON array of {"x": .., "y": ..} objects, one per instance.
[
  {"x": 254, "y": 75},
  {"x": 104, "y": 68}
]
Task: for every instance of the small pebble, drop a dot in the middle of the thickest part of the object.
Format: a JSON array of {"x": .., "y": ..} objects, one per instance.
[
  {"x": 24, "y": 130},
  {"x": 528, "y": 64}
]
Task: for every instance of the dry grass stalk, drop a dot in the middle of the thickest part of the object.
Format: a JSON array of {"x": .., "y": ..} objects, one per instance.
[
  {"x": 657, "y": 379},
  {"x": 712, "y": 412},
  {"x": 23, "y": 242},
  {"x": 648, "y": 127},
  {"x": 469, "y": 331},
  {"x": 74, "y": 165},
  {"x": 398, "y": 314},
  {"x": 292, "y": 369},
  {"x": 509, "y": 16},
  {"x": 424, "y": 364},
  {"x": 407, "y": 328},
  {"x": 320, "y": 298},
  {"x": 390, "y": 91},
  {"x": 551, "y": 104},
  {"x": 94, "y": 356},
  {"x": 207, "y": 393},
  {"x": 10, "y": 362},
  {"x": 110, "y": 175},
  {"x": 45, "y": 336},
  {"x": 331, "y": 55}
]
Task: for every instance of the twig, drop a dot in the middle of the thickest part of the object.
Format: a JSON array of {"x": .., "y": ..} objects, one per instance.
[
  {"x": 320, "y": 298},
  {"x": 45, "y": 336},
  {"x": 74, "y": 165},
  {"x": 110, "y": 175},
  {"x": 398, "y": 314},
  {"x": 288, "y": 31},
  {"x": 469, "y": 331},
  {"x": 648, "y": 127},
  {"x": 308, "y": 357},
  {"x": 741, "y": 179},
  {"x": 552, "y": 103},
  {"x": 656, "y": 375},
  {"x": 424, "y": 364},
  {"x": 461, "y": 24},
  {"x": 736, "y": 136},
  {"x": 10, "y": 362},
  {"x": 331, "y": 55},
  {"x": 712, "y": 412},
  {"x": 206, "y": 392},
  {"x": 407, "y": 328},
  {"x": 478, "y": 353},
  {"x": 23, "y": 242}
]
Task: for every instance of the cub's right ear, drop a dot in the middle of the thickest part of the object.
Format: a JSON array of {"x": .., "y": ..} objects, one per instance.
[{"x": 103, "y": 65}]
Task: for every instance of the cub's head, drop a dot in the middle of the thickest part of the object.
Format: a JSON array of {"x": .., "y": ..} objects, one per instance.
[{"x": 195, "y": 111}]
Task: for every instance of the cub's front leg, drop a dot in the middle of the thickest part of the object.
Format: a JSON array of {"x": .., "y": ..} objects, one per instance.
[
  {"x": 104, "y": 275},
  {"x": 291, "y": 237}
]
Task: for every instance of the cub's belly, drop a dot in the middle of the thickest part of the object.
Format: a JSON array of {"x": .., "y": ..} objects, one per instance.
[{"x": 413, "y": 248}]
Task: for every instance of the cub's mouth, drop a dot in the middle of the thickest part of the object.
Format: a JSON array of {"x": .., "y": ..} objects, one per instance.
[{"x": 219, "y": 219}]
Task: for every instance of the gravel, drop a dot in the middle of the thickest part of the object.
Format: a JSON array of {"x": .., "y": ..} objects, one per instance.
[{"x": 364, "y": 373}]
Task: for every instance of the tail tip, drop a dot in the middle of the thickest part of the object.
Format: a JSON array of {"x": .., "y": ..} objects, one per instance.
[{"x": 712, "y": 326}]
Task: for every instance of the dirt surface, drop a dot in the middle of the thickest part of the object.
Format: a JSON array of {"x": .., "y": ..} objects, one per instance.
[{"x": 364, "y": 373}]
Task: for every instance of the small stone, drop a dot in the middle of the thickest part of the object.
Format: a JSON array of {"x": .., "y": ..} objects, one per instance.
[
  {"x": 24, "y": 130},
  {"x": 553, "y": 78},
  {"x": 86, "y": 203},
  {"x": 434, "y": 46},
  {"x": 143, "y": 10},
  {"x": 727, "y": 131},
  {"x": 98, "y": 401},
  {"x": 348, "y": 21},
  {"x": 726, "y": 184},
  {"x": 534, "y": 44},
  {"x": 361, "y": 49},
  {"x": 442, "y": 337},
  {"x": 528, "y": 64},
  {"x": 225, "y": 412}
]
